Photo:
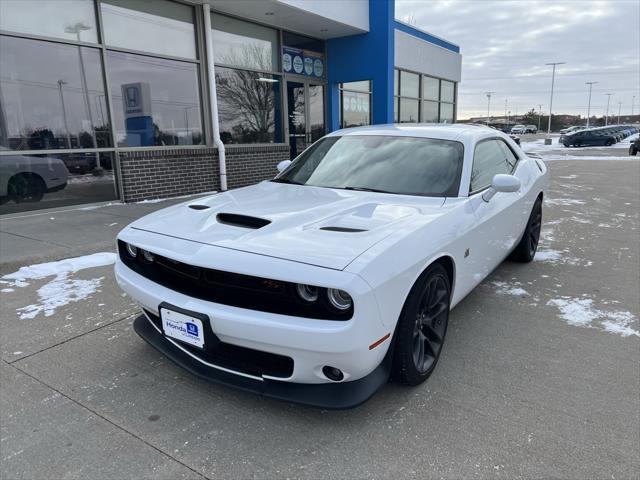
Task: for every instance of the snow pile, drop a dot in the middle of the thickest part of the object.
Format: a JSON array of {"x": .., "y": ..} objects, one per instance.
[
  {"x": 62, "y": 290},
  {"x": 580, "y": 312},
  {"x": 503, "y": 288}
]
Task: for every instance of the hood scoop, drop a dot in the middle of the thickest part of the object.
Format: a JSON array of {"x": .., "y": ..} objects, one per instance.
[
  {"x": 199, "y": 207},
  {"x": 343, "y": 229},
  {"x": 242, "y": 221}
]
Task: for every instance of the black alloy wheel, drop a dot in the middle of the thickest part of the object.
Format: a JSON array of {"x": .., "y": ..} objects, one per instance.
[
  {"x": 422, "y": 326},
  {"x": 526, "y": 249}
]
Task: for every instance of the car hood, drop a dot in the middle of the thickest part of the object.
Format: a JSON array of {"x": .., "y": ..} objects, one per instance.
[{"x": 314, "y": 225}]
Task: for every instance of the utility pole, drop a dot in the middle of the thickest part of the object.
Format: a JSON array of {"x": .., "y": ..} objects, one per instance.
[
  {"x": 619, "y": 108},
  {"x": 64, "y": 112},
  {"x": 606, "y": 118},
  {"x": 633, "y": 101},
  {"x": 506, "y": 100},
  {"x": 489, "y": 106},
  {"x": 591, "y": 84},
  {"x": 539, "y": 115},
  {"x": 553, "y": 78}
]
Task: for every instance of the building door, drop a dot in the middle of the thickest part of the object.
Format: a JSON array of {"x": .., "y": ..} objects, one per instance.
[{"x": 305, "y": 111}]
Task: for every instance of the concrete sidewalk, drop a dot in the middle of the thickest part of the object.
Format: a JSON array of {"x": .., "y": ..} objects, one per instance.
[{"x": 53, "y": 234}]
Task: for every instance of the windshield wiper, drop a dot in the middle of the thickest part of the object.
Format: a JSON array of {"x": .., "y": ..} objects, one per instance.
[
  {"x": 285, "y": 180},
  {"x": 365, "y": 189}
]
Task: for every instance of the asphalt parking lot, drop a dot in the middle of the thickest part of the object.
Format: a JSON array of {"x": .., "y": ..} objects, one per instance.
[{"x": 539, "y": 377}]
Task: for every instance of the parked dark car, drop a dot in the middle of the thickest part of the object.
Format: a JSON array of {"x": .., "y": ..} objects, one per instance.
[
  {"x": 588, "y": 138},
  {"x": 635, "y": 147}
]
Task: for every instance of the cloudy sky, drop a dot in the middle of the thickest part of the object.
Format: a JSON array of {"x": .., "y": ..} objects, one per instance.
[{"x": 506, "y": 43}]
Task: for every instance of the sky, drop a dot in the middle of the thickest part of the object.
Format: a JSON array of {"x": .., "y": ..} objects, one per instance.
[{"x": 506, "y": 43}]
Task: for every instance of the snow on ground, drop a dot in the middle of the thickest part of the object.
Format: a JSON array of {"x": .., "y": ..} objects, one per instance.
[
  {"x": 503, "y": 288},
  {"x": 551, "y": 158},
  {"x": 563, "y": 201},
  {"x": 61, "y": 290},
  {"x": 89, "y": 178},
  {"x": 580, "y": 312}
]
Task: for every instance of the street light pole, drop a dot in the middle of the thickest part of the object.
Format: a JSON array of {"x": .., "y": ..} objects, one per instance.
[
  {"x": 77, "y": 28},
  {"x": 619, "y": 108},
  {"x": 539, "y": 115},
  {"x": 606, "y": 118},
  {"x": 489, "y": 106},
  {"x": 64, "y": 112},
  {"x": 553, "y": 78},
  {"x": 591, "y": 84},
  {"x": 633, "y": 101}
]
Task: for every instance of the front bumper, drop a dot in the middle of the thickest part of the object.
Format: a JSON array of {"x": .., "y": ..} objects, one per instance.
[{"x": 327, "y": 395}]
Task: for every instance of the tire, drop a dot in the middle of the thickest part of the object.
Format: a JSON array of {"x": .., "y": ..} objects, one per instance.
[
  {"x": 633, "y": 151},
  {"x": 577, "y": 144},
  {"x": 422, "y": 327},
  {"x": 25, "y": 188},
  {"x": 526, "y": 249},
  {"x": 608, "y": 143}
]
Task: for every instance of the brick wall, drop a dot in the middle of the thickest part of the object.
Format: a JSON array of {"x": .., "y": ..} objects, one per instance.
[{"x": 149, "y": 174}]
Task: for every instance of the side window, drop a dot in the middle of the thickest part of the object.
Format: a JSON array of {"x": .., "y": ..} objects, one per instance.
[
  {"x": 509, "y": 156},
  {"x": 489, "y": 159}
]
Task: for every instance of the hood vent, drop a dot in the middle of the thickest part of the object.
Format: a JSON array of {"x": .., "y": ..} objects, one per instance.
[
  {"x": 342, "y": 229},
  {"x": 199, "y": 207},
  {"x": 242, "y": 221}
]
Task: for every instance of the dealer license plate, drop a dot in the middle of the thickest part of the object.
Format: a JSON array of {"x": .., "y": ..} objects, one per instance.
[{"x": 182, "y": 327}]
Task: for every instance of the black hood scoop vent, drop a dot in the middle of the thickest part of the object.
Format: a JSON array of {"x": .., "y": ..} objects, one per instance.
[
  {"x": 242, "y": 221},
  {"x": 343, "y": 229}
]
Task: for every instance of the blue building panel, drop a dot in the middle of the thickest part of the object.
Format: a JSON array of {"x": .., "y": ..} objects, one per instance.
[{"x": 369, "y": 56}]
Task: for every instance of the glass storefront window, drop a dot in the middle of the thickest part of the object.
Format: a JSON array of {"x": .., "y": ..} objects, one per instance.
[
  {"x": 67, "y": 19},
  {"x": 396, "y": 81},
  {"x": 446, "y": 112},
  {"x": 29, "y": 182},
  {"x": 249, "y": 106},
  {"x": 355, "y": 104},
  {"x": 156, "y": 101},
  {"x": 355, "y": 109},
  {"x": 409, "y": 110},
  {"x": 429, "y": 112},
  {"x": 448, "y": 92},
  {"x": 243, "y": 44},
  {"x": 396, "y": 118},
  {"x": 430, "y": 88},
  {"x": 161, "y": 26},
  {"x": 409, "y": 84},
  {"x": 51, "y": 96}
]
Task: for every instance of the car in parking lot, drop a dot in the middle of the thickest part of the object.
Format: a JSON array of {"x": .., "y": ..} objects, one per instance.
[
  {"x": 588, "y": 138},
  {"x": 530, "y": 129},
  {"x": 518, "y": 129},
  {"x": 572, "y": 129},
  {"x": 26, "y": 178},
  {"x": 317, "y": 285},
  {"x": 634, "y": 148}
]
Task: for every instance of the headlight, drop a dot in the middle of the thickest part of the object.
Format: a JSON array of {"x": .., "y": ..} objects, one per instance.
[
  {"x": 308, "y": 293},
  {"x": 131, "y": 250},
  {"x": 339, "y": 299},
  {"x": 148, "y": 256}
]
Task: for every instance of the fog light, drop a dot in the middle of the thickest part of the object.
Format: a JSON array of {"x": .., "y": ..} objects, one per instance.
[
  {"x": 148, "y": 256},
  {"x": 131, "y": 250},
  {"x": 339, "y": 299},
  {"x": 308, "y": 293},
  {"x": 332, "y": 373}
]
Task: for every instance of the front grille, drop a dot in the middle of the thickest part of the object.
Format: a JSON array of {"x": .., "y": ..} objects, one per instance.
[
  {"x": 234, "y": 289},
  {"x": 239, "y": 359}
]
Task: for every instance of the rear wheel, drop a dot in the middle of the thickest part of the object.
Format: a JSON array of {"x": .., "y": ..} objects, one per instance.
[
  {"x": 608, "y": 143},
  {"x": 27, "y": 188},
  {"x": 422, "y": 327},
  {"x": 526, "y": 249}
]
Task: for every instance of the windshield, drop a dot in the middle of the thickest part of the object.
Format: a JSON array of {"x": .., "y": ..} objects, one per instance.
[{"x": 387, "y": 164}]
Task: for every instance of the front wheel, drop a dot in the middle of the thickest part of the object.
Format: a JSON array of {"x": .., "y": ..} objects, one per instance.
[
  {"x": 422, "y": 327},
  {"x": 526, "y": 249}
]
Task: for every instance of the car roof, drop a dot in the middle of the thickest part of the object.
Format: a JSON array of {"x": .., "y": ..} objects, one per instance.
[{"x": 450, "y": 131}]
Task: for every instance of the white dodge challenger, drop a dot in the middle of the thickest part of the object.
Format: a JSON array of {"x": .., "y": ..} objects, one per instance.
[{"x": 316, "y": 286}]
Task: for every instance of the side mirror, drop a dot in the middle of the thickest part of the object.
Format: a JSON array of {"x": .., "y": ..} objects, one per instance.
[
  {"x": 283, "y": 165},
  {"x": 501, "y": 183}
]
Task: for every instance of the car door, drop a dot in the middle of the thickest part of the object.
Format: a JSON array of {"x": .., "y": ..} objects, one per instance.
[{"x": 501, "y": 220}]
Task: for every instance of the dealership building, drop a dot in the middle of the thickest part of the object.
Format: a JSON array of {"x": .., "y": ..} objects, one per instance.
[{"x": 104, "y": 100}]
